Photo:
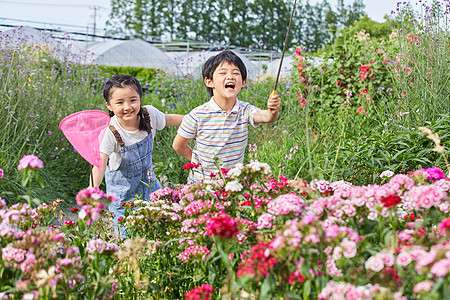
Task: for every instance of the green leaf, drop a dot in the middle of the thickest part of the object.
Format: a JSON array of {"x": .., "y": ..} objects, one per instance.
[
  {"x": 266, "y": 287},
  {"x": 307, "y": 289}
]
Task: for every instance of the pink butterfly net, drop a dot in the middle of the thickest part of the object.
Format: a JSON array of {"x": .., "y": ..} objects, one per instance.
[{"x": 85, "y": 131}]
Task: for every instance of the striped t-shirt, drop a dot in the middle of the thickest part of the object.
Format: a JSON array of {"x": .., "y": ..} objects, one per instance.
[{"x": 217, "y": 133}]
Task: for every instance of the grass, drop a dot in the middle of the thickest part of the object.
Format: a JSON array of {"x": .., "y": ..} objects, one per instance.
[{"x": 407, "y": 87}]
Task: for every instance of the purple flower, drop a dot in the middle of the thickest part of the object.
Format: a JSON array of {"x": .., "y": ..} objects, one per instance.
[
  {"x": 1, "y": 173},
  {"x": 30, "y": 161}
]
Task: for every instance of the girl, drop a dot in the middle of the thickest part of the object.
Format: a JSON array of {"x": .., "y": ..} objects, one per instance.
[{"x": 126, "y": 149}]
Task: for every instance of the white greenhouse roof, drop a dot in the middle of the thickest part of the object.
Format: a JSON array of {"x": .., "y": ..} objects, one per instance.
[
  {"x": 190, "y": 63},
  {"x": 127, "y": 53}
]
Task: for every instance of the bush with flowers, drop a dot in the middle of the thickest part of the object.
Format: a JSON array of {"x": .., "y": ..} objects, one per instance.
[{"x": 245, "y": 233}]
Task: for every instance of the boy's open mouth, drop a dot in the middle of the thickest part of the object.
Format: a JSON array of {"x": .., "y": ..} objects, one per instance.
[{"x": 229, "y": 86}]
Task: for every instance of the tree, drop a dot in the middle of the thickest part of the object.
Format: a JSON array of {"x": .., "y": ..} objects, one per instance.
[
  {"x": 271, "y": 23},
  {"x": 136, "y": 19}
]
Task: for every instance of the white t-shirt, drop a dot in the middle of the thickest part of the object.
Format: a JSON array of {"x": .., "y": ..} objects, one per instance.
[{"x": 111, "y": 147}]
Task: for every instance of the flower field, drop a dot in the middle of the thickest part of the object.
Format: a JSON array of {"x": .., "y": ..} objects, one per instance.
[
  {"x": 249, "y": 235},
  {"x": 346, "y": 196}
]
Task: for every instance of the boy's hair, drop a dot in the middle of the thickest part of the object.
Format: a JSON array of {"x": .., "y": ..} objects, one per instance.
[
  {"x": 214, "y": 61},
  {"x": 120, "y": 81}
]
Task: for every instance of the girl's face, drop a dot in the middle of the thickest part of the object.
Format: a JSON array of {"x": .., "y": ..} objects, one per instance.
[
  {"x": 226, "y": 82},
  {"x": 125, "y": 103}
]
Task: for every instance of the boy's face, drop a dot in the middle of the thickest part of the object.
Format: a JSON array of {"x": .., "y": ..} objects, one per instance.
[{"x": 226, "y": 82}]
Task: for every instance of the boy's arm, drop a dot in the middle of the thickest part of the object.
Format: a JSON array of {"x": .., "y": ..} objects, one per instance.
[
  {"x": 173, "y": 119},
  {"x": 271, "y": 114},
  {"x": 180, "y": 145},
  {"x": 97, "y": 174}
]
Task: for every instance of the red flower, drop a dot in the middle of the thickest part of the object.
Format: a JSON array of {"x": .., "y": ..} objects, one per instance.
[
  {"x": 74, "y": 210},
  {"x": 296, "y": 277},
  {"x": 256, "y": 262},
  {"x": 359, "y": 110},
  {"x": 204, "y": 292},
  {"x": 391, "y": 200},
  {"x": 191, "y": 165},
  {"x": 69, "y": 222},
  {"x": 120, "y": 219},
  {"x": 222, "y": 225},
  {"x": 363, "y": 71}
]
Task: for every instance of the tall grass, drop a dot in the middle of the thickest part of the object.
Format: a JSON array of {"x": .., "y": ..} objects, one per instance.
[
  {"x": 39, "y": 86},
  {"x": 336, "y": 122}
]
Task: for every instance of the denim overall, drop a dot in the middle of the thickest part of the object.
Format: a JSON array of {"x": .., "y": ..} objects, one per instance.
[{"x": 127, "y": 181}]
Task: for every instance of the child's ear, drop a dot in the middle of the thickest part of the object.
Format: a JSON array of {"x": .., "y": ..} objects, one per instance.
[
  {"x": 108, "y": 106},
  {"x": 209, "y": 82},
  {"x": 244, "y": 82}
]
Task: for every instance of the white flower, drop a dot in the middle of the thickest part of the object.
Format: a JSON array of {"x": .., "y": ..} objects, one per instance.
[
  {"x": 233, "y": 186},
  {"x": 82, "y": 214},
  {"x": 233, "y": 173},
  {"x": 387, "y": 173}
]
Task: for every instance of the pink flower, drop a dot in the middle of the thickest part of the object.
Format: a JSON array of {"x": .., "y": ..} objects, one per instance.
[
  {"x": 425, "y": 285},
  {"x": 404, "y": 259},
  {"x": 359, "y": 110},
  {"x": 30, "y": 161},
  {"x": 1, "y": 173},
  {"x": 265, "y": 221},
  {"x": 444, "y": 226},
  {"x": 286, "y": 204},
  {"x": 374, "y": 263},
  {"x": 441, "y": 268}
]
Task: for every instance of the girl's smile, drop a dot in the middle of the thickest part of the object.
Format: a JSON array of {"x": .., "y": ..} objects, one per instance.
[{"x": 126, "y": 104}]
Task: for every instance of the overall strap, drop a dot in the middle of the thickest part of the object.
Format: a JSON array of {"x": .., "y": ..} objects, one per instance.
[
  {"x": 117, "y": 135},
  {"x": 147, "y": 119}
]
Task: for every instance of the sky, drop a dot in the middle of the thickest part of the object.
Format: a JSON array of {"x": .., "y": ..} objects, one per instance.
[{"x": 82, "y": 15}]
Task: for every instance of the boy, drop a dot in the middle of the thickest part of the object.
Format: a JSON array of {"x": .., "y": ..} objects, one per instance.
[{"x": 220, "y": 126}]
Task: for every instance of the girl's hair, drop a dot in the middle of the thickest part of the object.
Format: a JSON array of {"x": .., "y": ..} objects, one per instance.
[
  {"x": 120, "y": 81},
  {"x": 213, "y": 62}
]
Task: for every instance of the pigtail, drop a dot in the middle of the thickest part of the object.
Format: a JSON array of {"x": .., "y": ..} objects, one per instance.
[{"x": 144, "y": 120}]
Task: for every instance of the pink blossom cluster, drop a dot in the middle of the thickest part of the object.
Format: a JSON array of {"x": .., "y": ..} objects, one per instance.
[
  {"x": 167, "y": 194},
  {"x": 30, "y": 162},
  {"x": 195, "y": 250},
  {"x": 265, "y": 221},
  {"x": 426, "y": 196},
  {"x": 285, "y": 204},
  {"x": 433, "y": 173},
  {"x": 101, "y": 246},
  {"x": 400, "y": 183},
  {"x": 196, "y": 225},
  {"x": 93, "y": 194},
  {"x": 343, "y": 290},
  {"x": 202, "y": 206},
  {"x": 340, "y": 185},
  {"x": 435, "y": 262},
  {"x": 320, "y": 185},
  {"x": 19, "y": 214}
]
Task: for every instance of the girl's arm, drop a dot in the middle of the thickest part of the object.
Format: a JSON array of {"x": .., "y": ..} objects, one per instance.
[
  {"x": 271, "y": 114},
  {"x": 180, "y": 145},
  {"x": 173, "y": 120},
  {"x": 98, "y": 174}
]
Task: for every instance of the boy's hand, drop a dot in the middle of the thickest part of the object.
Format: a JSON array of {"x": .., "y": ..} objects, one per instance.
[{"x": 273, "y": 104}]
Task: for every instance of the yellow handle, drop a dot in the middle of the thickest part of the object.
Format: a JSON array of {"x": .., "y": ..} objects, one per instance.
[{"x": 274, "y": 92}]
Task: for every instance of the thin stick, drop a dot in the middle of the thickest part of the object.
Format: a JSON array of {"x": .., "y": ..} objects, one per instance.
[
  {"x": 284, "y": 48},
  {"x": 91, "y": 178}
]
